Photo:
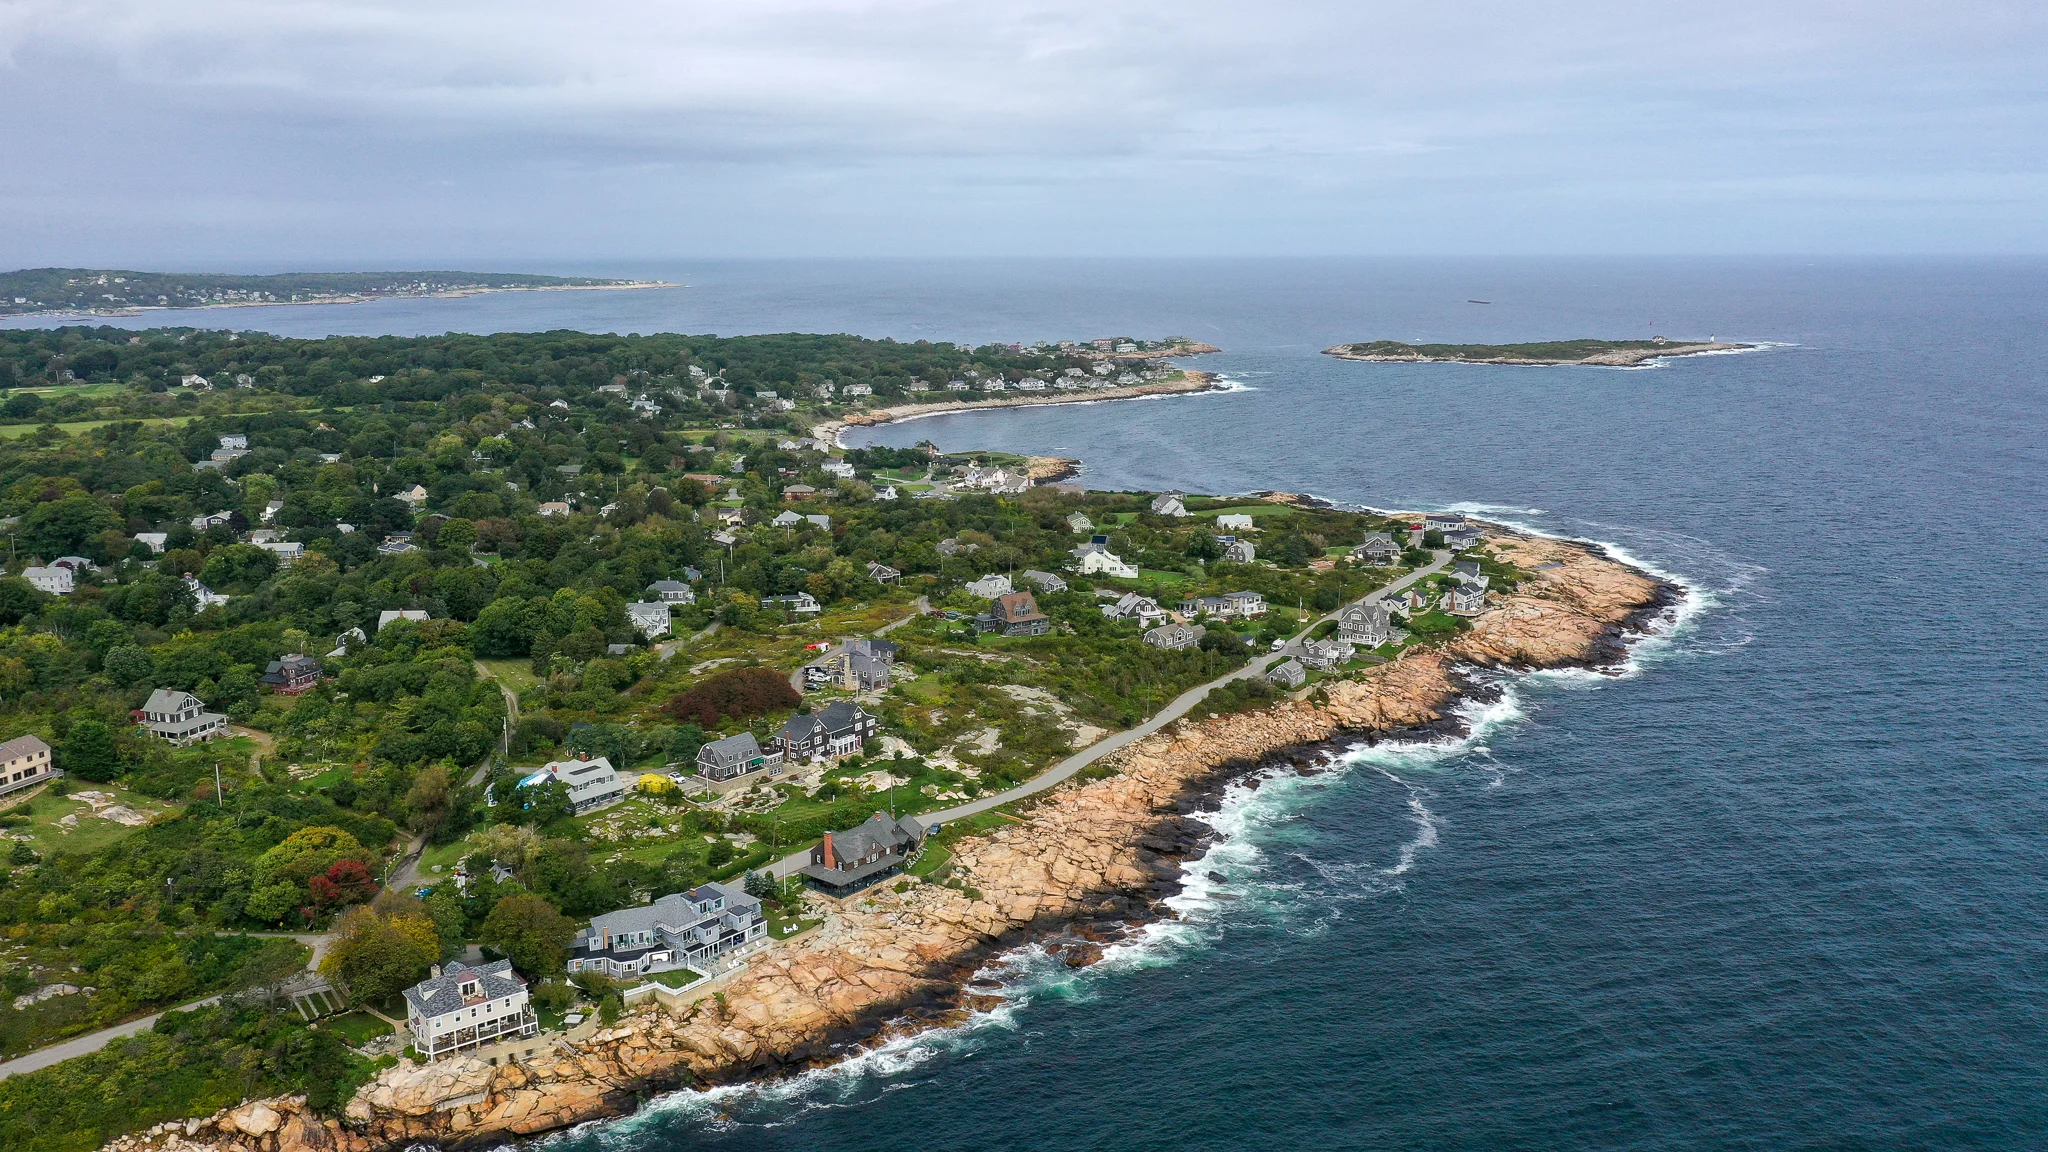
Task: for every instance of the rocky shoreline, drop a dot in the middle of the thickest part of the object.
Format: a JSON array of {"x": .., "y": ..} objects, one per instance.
[
  {"x": 1190, "y": 381},
  {"x": 1085, "y": 866}
]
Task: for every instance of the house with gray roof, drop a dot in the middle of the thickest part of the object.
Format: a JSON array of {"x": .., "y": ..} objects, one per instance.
[
  {"x": 991, "y": 586},
  {"x": 1240, "y": 552},
  {"x": 1170, "y": 504},
  {"x": 694, "y": 929},
  {"x": 1326, "y": 655},
  {"x": 737, "y": 756},
  {"x": 1288, "y": 674},
  {"x": 1378, "y": 548},
  {"x": 181, "y": 717},
  {"x": 650, "y": 617},
  {"x": 468, "y": 1006},
  {"x": 24, "y": 763},
  {"x": 1369, "y": 625},
  {"x": 1131, "y": 606},
  {"x": 846, "y": 862},
  {"x": 1045, "y": 581},
  {"x": 1173, "y": 637},
  {"x": 837, "y": 730},
  {"x": 592, "y": 782},
  {"x": 673, "y": 592}
]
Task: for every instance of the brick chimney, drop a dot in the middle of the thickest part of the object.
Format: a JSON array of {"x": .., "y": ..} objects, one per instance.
[{"x": 830, "y": 855}]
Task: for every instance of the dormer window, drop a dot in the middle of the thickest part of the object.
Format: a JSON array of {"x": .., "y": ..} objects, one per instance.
[{"x": 468, "y": 988}]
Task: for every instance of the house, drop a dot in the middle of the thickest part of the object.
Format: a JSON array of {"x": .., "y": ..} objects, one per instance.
[
  {"x": 1101, "y": 562},
  {"x": 820, "y": 520},
  {"x": 882, "y": 573},
  {"x": 736, "y": 756},
  {"x": 55, "y": 580},
  {"x": 1171, "y": 504},
  {"x": 592, "y": 781},
  {"x": 271, "y": 509},
  {"x": 287, "y": 552},
  {"x": 1466, "y": 599},
  {"x": 1461, "y": 538},
  {"x": 1080, "y": 523},
  {"x": 838, "y": 469},
  {"x": 158, "y": 542},
  {"x": 883, "y": 650},
  {"x": 1443, "y": 522},
  {"x": 799, "y": 492},
  {"x": 235, "y": 440},
  {"x": 845, "y": 862},
  {"x": 291, "y": 675},
  {"x": 1414, "y": 600},
  {"x": 833, "y": 732},
  {"x": 691, "y": 929},
  {"x": 785, "y": 519},
  {"x": 202, "y": 596},
  {"x": 1046, "y": 581},
  {"x": 1175, "y": 636},
  {"x": 24, "y": 763},
  {"x": 202, "y": 523},
  {"x": 951, "y": 546},
  {"x": 1240, "y": 552},
  {"x": 990, "y": 587},
  {"x": 554, "y": 508},
  {"x": 1131, "y": 606},
  {"x": 1014, "y": 614},
  {"x": 1325, "y": 655},
  {"x": 886, "y": 492},
  {"x": 353, "y": 636},
  {"x": 462, "y": 1007},
  {"x": 852, "y": 670},
  {"x": 1288, "y": 674},
  {"x": 416, "y": 615},
  {"x": 415, "y": 496},
  {"x": 195, "y": 382},
  {"x": 397, "y": 544},
  {"x": 1378, "y": 549},
  {"x": 181, "y": 717},
  {"x": 1368, "y": 625},
  {"x": 801, "y": 603},
  {"x": 1244, "y": 605},
  {"x": 650, "y": 617},
  {"x": 673, "y": 592},
  {"x": 857, "y": 390},
  {"x": 262, "y": 536},
  {"x": 1196, "y": 605},
  {"x": 1235, "y": 522},
  {"x": 732, "y": 517}
]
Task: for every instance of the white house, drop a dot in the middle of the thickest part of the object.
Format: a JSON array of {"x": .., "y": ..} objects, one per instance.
[
  {"x": 1235, "y": 522},
  {"x": 1169, "y": 505},
  {"x": 414, "y": 496},
  {"x": 1107, "y": 564},
  {"x": 389, "y": 614},
  {"x": 287, "y": 552},
  {"x": 650, "y": 617},
  {"x": 157, "y": 541},
  {"x": 554, "y": 508},
  {"x": 683, "y": 929},
  {"x": 202, "y": 596},
  {"x": 462, "y": 1007},
  {"x": 673, "y": 592},
  {"x": 55, "y": 580},
  {"x": 838, "y": 469},
  {"x": 593, "y": 782},
  {"x": 235, "y": 440},
  {"x": 25, "y": 763},
  {"x": 990, "y": 587},
  {"x": 181, "y": 717}
]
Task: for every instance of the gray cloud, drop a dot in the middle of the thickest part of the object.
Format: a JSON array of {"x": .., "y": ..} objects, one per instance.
[{"x": 233, "y": 131}]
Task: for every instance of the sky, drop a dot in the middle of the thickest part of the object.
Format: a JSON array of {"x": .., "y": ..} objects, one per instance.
[{"x": 273, "y": 134}]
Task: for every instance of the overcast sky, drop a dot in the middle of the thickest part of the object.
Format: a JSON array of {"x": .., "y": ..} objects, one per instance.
[{"x": 281, "y": 133}]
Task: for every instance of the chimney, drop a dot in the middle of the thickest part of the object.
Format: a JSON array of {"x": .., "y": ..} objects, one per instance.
[
  {"x": 436, "y": 970},
  {"x": 830, "y": 857}
]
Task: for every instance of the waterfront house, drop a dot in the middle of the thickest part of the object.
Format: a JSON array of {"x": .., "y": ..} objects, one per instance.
[
  {"x": 1326, "y": 655},
  {"x": 1014, "y": 614},
  {"x": 181, "y": 717},
  {"x": 836, "y": 731},
  {"x": 1175, "y": 636},
  {"x": 1171, "y": 504},
  {"x": 1288, "y": 674},
  {"x": 1443, "y": 522},
  {"x": 1045, "y": 581},
  {"x": 649, "y": 617},
  {"x": 291, "y": 675},
  {"x": 673, "y": 592},
  {"x": 737, "y": 756},
  {"x": 55, "y": 580},
  {"x": 1131, "y": 606},
  {"x": 24, "y": 763},
  {"x": 693, "y": 929},
  {"x": 990, "y": 587},
  {"x": 846, "y": 862},
  {"x": 468, "y": 1006},
  {"x": 1369, "y": 625},
  {"x": 1377, "y": 549},
  {"x": 592, "y": 781},
  {"x": 1413, "y": 601},
  {"x": 1102, "y": 562},
  {"x": 800, "y": 603},
  {"x": 1240, "y": 552}
]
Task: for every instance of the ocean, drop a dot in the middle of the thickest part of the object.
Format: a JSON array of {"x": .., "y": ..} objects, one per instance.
[{"x": 1780, "y": 882}]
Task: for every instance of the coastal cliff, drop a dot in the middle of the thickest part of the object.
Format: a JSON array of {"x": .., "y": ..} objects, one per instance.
[{"x": 1085, "y": 865}]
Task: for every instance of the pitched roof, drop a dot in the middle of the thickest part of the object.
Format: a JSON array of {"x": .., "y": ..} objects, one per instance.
[
  {"x": 439, "y": 994},
  {"x": 22, "y": 746}
]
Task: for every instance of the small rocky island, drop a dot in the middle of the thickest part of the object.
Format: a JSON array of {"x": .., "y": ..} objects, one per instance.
[{"x": 1604, "y": 353}]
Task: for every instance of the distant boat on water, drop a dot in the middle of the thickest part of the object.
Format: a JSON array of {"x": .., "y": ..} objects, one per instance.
[{"x": 1478, "y": 301}]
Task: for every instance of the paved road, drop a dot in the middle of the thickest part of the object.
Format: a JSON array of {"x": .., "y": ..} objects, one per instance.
[
  {"x": 1180, "y": 706},
  {"x": 94, "y": 1041}
]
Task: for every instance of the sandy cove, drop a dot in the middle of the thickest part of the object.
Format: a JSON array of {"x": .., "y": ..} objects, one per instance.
[
  {"x": 1189, "y": 381},
  {"x": 1619, "y": 358},
  {"x": 1088, "y": 862}
]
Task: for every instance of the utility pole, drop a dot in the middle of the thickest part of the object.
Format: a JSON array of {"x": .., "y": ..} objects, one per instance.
[{"x": 220, "y": 800}]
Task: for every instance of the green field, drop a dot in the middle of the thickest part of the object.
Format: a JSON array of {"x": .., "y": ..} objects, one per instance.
[
  {"x": 15, "y": 431},
  {"x": 358, "y": 1028},
  {"x": 514, "y": 674},
  {"x": 47, "y": 814}
]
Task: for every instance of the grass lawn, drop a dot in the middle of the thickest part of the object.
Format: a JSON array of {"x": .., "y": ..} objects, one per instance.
[
  {"x": 87, "y": 391},
  {"x": 514, "y": 674},
  {"x": 446, "y": 857},
  {"x": 675, "y": 977},
  {"x": 16, "y": 431},
  {"x": 782, "y": 928},
  {"x": 1156, "y": 576},
  {"x": 938, "y": 850},
  {"x": 1255, "y": 511},
  {"x": 87, "y": 833},
  {"x": 358, "y": 1028}
]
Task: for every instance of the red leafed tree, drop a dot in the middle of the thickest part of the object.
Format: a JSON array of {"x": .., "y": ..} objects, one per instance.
[
  {"x": 347, "y": 882},
  {"x": 738, "y": 694}
]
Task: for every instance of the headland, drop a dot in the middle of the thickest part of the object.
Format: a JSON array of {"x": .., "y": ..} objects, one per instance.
[{"x": 1598, "y": 353}]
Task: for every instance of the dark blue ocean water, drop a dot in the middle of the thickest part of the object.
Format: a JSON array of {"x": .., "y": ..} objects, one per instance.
[{"x": 1784, "y": 884}]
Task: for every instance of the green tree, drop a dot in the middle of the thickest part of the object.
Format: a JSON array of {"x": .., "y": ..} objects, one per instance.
[
  {"x": 58, "y": 527},
  {"x": 89, "y": 752},
  {"x": 502, "y": 629},
  {"x": 273, "y": 902},
  {"x": 308, "y": 853},
  {"x": 381, "y": 953},
  {"x": 527, "y": 930}
]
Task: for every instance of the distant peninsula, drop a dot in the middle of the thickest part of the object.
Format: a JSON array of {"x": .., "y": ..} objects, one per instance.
[
  {"x": 1605, "y": 353},
  {"x": 113, "y": 291}
]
